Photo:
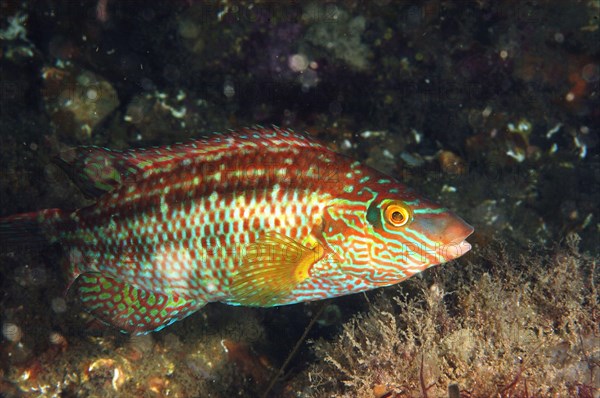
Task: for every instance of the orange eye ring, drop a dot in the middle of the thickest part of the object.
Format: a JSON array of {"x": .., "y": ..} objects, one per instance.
[{"x": 397, "y": 214}]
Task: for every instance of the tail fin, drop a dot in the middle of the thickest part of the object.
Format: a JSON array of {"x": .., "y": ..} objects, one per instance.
[{"x": 30, "y": 229}]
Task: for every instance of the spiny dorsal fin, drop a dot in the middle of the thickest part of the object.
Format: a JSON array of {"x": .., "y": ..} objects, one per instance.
[{"x": 99, "y": 170}]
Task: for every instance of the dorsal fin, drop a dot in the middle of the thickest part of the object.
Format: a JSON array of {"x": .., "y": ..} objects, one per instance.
[{"x": 98, "y": 170}]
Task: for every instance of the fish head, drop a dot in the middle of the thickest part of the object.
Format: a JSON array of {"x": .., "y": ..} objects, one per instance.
[{"x": 392, "y": 235}]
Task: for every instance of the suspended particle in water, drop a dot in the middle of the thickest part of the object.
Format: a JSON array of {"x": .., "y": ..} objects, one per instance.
[
  {"x": 12, "y": 332},
  {"x": 298, "y": 62},
  {"x": 59, "y": 305}
]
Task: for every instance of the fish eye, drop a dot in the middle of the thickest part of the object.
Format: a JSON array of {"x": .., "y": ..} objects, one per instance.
[{"x": 396, "y": 214}]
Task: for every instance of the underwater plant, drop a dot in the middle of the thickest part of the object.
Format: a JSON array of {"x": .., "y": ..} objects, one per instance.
[{"x": 504, "y": 327}]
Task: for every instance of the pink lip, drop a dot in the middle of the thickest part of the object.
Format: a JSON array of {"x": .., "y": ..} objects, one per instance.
[
  {"x": 464, "y": 247},
  {"x": 452, "y": 251},
  {"x": 457, "y": 232}
]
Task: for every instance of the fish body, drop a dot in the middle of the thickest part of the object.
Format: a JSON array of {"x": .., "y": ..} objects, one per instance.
[{"x": 256, "y": 217}]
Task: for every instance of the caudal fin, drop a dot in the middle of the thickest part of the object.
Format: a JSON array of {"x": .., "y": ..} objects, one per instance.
[{"x": 30, "y": 229}]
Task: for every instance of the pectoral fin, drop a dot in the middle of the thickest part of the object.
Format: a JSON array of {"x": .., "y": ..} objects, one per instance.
[{"x": 272, "y": 267}]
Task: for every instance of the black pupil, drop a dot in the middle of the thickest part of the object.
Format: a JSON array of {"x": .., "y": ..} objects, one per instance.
[{"x": 397, "y": 216}]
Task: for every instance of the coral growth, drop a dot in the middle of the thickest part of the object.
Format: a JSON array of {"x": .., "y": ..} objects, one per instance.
[{"x": 505, "y": 327}]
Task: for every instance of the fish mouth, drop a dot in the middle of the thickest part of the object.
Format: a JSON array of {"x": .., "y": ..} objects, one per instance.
[
  {"x": 455, "y": 250},
  {"x": 458, "y": 246}
]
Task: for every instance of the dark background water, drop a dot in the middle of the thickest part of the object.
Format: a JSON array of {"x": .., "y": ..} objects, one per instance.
[{"x": 491, "y": 108}]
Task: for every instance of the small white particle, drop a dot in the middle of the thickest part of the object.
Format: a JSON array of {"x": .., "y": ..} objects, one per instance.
[
  {"x": 448, "y": 188},
  {"x": 570, "y": 97},
  {"x": 388, "y": 154},
  {"x": 582, "y": 147},
  {"x": 519, "y": 157},
  {"x": 553, "y": 130},
  {"x": 487, "y": 111},
  {"x": 346, "y": 144},
  {"x": 416, "y": 135}
]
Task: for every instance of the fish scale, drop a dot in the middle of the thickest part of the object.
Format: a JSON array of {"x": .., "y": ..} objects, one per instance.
[{"x": 259, "y": 217}]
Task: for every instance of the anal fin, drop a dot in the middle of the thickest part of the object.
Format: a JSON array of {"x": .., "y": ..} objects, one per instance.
[{"x": 130, "y": 308}]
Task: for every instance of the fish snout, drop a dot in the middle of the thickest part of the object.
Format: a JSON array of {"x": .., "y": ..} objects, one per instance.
[{"x": 453, "y": 239}]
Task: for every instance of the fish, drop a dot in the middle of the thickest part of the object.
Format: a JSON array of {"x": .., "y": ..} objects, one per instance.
[{"x": 260, "y": 216}]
